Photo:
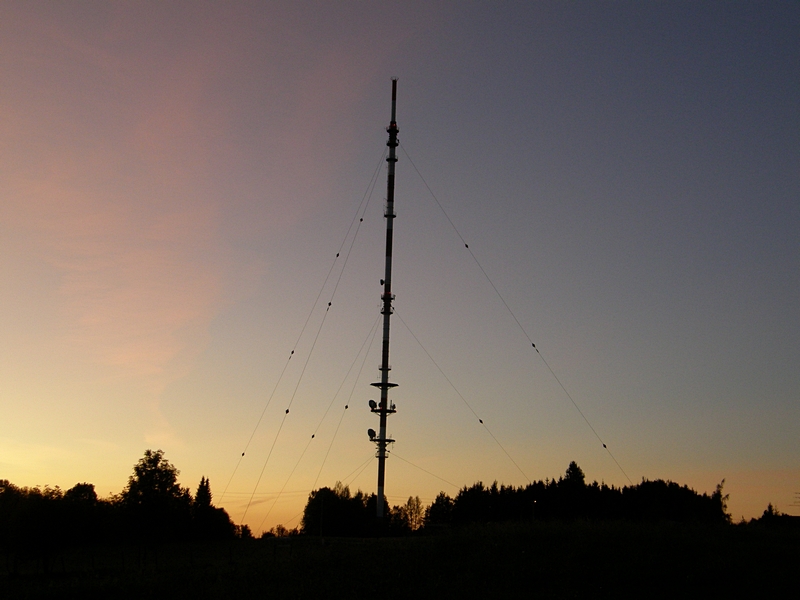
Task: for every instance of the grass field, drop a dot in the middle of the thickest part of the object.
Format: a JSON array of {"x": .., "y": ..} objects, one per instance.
[{"x": 537, "y": 560}]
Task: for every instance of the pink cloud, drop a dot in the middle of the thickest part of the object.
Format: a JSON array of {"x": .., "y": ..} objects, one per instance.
[
  {"x": 123, "y": 135},
  {"x": 113, "y": 200}
]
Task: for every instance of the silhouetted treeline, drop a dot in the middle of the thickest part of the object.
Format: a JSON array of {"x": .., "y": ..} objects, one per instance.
[
  {"x": 337, "y": 512},
  {"x": 772, "y": 518},
  {"x": 570, "y": 498},
  {"x": 152, "y": 508}
]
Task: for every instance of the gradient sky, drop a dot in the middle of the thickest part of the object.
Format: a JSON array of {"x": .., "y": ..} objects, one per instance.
[{"x": 176, "y": 179}]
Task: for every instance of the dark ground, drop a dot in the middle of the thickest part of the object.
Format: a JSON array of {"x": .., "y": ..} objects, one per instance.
[{"x": 537, "y": 560}]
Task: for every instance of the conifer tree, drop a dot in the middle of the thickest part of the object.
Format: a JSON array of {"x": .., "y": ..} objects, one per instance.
[{"x": 202, "y": 499}]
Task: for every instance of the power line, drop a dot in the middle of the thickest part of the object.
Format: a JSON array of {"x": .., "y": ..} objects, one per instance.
[
  {"x": 359, "y": 473},
  {"x": 286, "y": 413},
  {"x": 513, "y": 316},
  {"x": 370, "y": 334},
  {"x": 361, "y": 210},
  {"x": 359, "y": 468},
  {"x": 424, "y": 470},
  {"x": 324, "y": 460},
  {"x": 460, "y": 395}
]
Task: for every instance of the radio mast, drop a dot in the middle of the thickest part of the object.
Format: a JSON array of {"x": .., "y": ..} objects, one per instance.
[{"x": 385, "y": 408}]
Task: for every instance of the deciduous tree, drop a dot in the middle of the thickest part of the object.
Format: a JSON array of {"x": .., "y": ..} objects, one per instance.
[{"x": 158, "y": 507}]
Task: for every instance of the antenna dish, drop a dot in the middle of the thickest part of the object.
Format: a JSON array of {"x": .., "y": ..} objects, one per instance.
[
  {"x": 373, "y": 405},
  {"x": 371, "y": 433}
]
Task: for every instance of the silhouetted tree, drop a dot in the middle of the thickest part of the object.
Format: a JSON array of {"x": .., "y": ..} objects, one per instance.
[
  {"x": 243, "y": 532},
  {"x": 335, "y": 512},
  {"x": 153, "y": 506},
  {"x": 471, "y": 504},
  {"x": 14, "y": 513},
  {"x": 82, "y": 493},
  {"x": 202, "y": 499},
  {"x": 661, "y": 500},
  {"x": 279, "y": 531},
  {"x": 574, "y": 475},
  {"x": 83, "y": 514},
  {"x": 154, "y": 482},
  {"x": 209, "y": 522},
  {"x": 397, "y": 522},
  {"x": 413, "y": 513},
  {"x": 720, "y": 501},
  {"x": 157, "y": 507},
  {"x": 440, "y": 512},
  {"x": 32, "y": 522},
  {"x": 775, "y": 519},
  {"x": 570, "y": 497},
  {"x": 407, "y": 518},
  {"x": 571, "y": 494}
]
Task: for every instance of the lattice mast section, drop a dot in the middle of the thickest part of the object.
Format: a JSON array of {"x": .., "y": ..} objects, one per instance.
[{"x": 384, "y": 408}]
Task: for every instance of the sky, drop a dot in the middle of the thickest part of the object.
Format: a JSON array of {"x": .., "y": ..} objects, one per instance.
[{"x": 176, "y": 180}]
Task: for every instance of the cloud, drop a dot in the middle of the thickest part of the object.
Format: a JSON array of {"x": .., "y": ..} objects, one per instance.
[
  {"x": 111, "y": 195},
  {"x": 140, "y": 149}
]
